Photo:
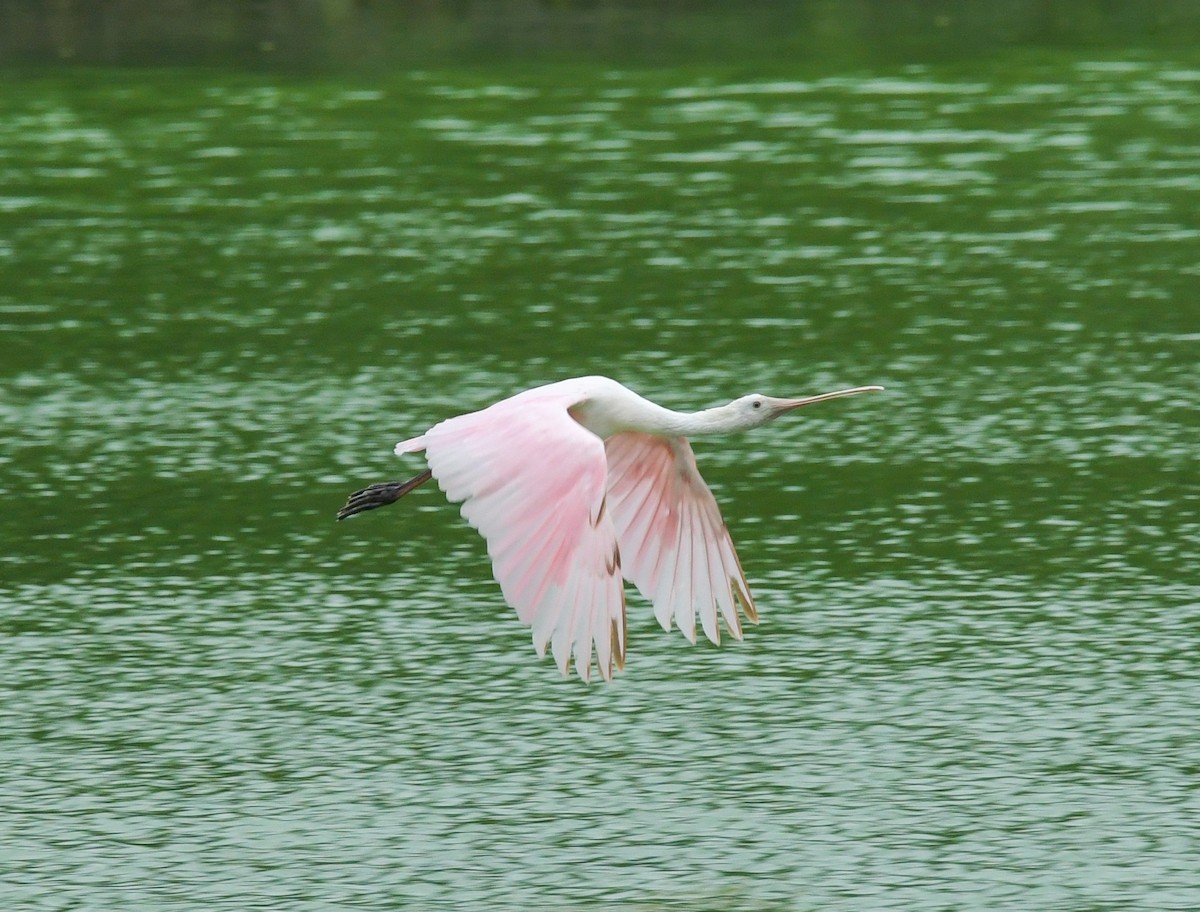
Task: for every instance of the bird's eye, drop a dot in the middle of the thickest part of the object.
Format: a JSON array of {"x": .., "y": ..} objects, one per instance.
[{"x": 757, "y": 403}]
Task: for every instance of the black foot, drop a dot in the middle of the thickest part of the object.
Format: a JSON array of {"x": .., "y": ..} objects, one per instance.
[{"x": 380, "y": 494}]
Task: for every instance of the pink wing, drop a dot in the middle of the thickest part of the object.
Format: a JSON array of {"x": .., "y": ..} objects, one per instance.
[
  {"x": 532, "y": 481},
  {"x": 676, "y": 548}
]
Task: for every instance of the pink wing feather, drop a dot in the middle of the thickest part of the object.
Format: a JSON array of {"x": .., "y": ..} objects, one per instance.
[
  {"x": 532, "y": 481},
  {"x": 676, "y": 547}
]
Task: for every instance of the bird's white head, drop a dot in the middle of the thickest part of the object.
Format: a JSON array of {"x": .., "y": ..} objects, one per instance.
[{"x": 756, "y": 409}]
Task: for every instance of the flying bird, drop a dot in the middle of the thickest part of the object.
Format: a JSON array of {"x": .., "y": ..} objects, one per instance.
[{"x": 580, "y": 484}]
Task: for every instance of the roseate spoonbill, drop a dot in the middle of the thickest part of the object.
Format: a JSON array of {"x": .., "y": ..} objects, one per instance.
[{"x": 580, "y": 483}]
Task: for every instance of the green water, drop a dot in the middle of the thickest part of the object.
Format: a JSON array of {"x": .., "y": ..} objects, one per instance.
[{"x": 975, "y": 685}]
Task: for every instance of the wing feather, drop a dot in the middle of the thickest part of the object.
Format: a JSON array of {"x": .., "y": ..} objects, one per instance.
[
  {"x": 640, "y": 505},
  {"x": 602, "y": 637},
  {"x": 702, "y": 582},
  {"x": 677, "y": 549},
  {"x": 664, "y": 586},
  {"x": 581, "y": 633},
  {"x": 684, "y": 585},
  {"x": 560, "y": 640},
  {"x": 533, "y": 481}
]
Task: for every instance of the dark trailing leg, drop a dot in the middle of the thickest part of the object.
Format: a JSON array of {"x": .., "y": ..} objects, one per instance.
[{"x": 381, "y": 494}]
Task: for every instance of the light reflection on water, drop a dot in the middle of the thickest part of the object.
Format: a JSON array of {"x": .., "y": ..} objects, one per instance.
[
  {"x": 976, "y": 743},
  {"x": 974, "y": 680}
]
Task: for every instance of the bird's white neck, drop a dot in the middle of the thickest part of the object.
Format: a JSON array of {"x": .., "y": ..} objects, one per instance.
[
  {"x": 607, "y": 415},
  {"x": 723, "y": 419}
]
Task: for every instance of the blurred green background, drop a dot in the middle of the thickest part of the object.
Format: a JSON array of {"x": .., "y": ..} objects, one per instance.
[
  {"x": 244, "y": 248},
  {"x": 363, "y": 34}
]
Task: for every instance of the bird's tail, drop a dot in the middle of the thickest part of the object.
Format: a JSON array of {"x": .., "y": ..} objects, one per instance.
[{"x": 381, "y": 494}]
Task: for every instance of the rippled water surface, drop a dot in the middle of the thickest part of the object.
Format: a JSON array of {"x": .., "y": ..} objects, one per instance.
[{"x": 975, "y": 684}]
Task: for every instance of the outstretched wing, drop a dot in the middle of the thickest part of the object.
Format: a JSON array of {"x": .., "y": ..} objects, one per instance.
[
  {"x": 532, "y": 481},
  {"x": 676, "y": 548}
]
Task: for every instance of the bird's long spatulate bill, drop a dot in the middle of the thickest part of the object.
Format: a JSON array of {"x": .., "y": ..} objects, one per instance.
[{"x": 788, "y": 404}]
